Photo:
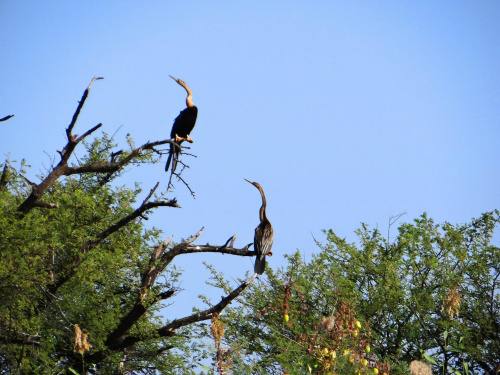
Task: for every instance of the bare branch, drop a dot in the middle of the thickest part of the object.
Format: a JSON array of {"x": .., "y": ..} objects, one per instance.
[
  {"x": 159, "y": 260},
  {"x": 184, "y": 166},
  {"x": 166, "y": 257},
  {"x": 79, "y": 108},
  {"x": 230, "y": 240},
  {"x": 149, "y": 277},
  {"x": 233, "y": 239},
  {"x": 169, "y": 329},
  {"x": 127, "y": 219},
  {"x": 178, "y": 175},
  {"x": 115, "y": 338},
  {"x": 46, "y": 205},
  {"x": 73, "y": 142},
  {"x": 193, "y": 238},
  {"x": 151, "y": 192},
  {"x": 392, "y": 221},
  {"x": 62, "y": 169},
  {"x": 88, "y": 132},
  {"x": 156, "y": 254},
  {"x": 113, "y": 166},
  {"x": 29, "y": 182},
  {"x": 6, "y": 118},
  {"x": 244, "y": 252},
  {"x": 319, "y": 244},
  {"x": 115, "y": 154},
  {"x": 52, "y": 161}
]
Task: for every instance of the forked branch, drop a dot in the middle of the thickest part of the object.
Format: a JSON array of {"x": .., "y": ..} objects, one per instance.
[
  {"x": 169, "y": 329},
  {"x": 69, "y": 130},
  {"x": 63, "y": 169},
  {"x": 160, "y": 258}
]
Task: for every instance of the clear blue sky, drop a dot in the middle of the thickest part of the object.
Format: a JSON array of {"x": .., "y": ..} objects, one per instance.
[{"x": 344, "y": 111}]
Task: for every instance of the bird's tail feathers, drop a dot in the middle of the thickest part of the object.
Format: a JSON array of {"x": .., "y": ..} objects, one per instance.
[
  {"x": 172, "y": 159},
  {"x": 169, "y": 160},
  {"x": 174, "y": 162},
  {"x": 260, "y": 265}
]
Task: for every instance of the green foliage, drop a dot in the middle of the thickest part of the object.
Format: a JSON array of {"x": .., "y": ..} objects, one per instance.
[
  {"x": 406, "y": 291},
  {"x": 49, "y": 282},
  {"x": 298, "y": 321},
  {"x": 447, "y": 367}
]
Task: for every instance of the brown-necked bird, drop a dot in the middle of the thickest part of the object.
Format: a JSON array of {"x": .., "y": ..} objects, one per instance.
[
  {"x": 183, "y": 125},
  {"x": 263, "y": 238}
]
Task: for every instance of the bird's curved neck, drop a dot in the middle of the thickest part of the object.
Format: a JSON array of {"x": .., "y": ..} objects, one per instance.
[
  {"x": 189, "y": 98},
  {"x": 263, "y": 216}
]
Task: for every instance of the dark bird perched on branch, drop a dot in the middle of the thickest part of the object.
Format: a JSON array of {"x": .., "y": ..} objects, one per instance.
[
  {"x": 263, "y": 239},
  {"x": 183, "y": 125}
]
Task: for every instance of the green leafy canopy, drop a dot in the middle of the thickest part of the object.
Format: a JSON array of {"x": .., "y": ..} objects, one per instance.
[{"x": 406, "y": 289}]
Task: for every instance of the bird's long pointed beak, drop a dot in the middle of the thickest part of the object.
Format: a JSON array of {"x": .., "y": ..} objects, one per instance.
[
  {"x": 175, "y": 79},
  {"x": 248, "y": 181}
]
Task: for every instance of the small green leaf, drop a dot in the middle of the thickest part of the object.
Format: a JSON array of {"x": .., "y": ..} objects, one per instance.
[
  {"x": 205, "y": 367},
  {"x": 466, "y": 368},
  {"x": 73, "y": 371},
  {"x": 430, "y": 359},
  {"x": 445, "y": 335},
  {"x": 455, "y": 350}
]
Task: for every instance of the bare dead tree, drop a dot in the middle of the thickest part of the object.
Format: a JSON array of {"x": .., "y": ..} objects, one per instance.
[{"x": 162, "y": 255}]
